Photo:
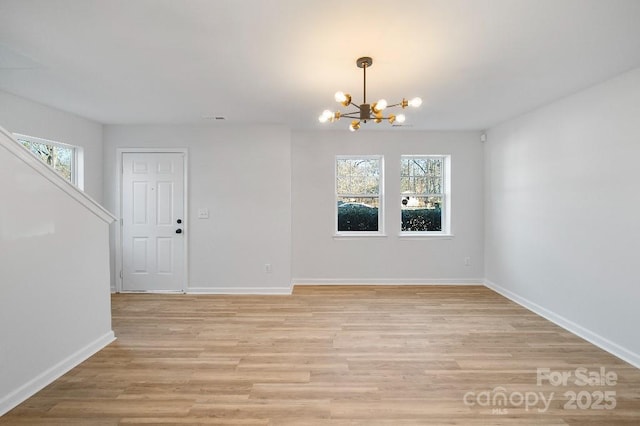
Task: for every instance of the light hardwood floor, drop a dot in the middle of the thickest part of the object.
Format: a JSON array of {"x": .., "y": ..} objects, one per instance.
[{"x": 331, "y": 356}]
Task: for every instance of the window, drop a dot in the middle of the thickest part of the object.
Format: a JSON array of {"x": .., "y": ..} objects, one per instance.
[
  {"x": 359, "y": 195},
  {"x": 62, "y": 158},
  {"x": 425, "y": 196}
]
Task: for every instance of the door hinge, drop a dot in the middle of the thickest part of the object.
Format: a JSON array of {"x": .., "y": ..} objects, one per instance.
[
  {"x": 120, "y": 274},
  {"x": 121, "y": 222}
]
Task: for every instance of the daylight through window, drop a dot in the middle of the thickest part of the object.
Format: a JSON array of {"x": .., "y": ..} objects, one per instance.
[
  {"x": 59, "y": 156},
  {"x": 359, "y": 194},
  {"x": 424, "y": 193}
]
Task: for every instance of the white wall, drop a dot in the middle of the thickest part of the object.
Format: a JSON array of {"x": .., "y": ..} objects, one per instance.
[
  {"x": 243, "y": 176},
  {"x": 318, "y": 257},
  {"x": 55, "y": 307},
  {"x": 19, "y": 115},
  {"x": 563, "y": 212}
]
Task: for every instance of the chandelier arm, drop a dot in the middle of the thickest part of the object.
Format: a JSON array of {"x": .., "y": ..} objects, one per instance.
[
  {"x": 351, "y": 115},
  {"x": 394, "y": 105}
]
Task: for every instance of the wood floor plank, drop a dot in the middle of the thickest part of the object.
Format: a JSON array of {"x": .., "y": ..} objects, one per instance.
[{"x": 333, "y": 355}]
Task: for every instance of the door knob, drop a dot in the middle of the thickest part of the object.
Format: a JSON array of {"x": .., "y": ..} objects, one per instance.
[
  {"x": 178, "y": 231},
  {"x": 179, "y": 221}
]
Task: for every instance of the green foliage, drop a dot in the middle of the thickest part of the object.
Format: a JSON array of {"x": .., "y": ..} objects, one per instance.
[
  {"x": 357, "y": 217},
  {"x": 421, "y": 220},
  {"x": 360, "y": 217}
]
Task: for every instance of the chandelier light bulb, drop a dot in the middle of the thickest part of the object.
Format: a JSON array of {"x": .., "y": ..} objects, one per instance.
[
  {"x": 325, "y": 116},
  {"x": 343, "y": 98},
  {"x": 377, "y": 107},
  {"x": 355, "y": 125},
  {"x": 400, "y": 118},
  {"x": 415, "y": 102}
]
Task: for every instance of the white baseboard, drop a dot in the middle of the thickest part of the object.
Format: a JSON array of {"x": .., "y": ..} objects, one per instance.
[
  {"x": 588, "y": 335},
  {"x": 387, "y": 281},
  {"x": 27, "y": 390},
  {"x": 240, "y": 290}
]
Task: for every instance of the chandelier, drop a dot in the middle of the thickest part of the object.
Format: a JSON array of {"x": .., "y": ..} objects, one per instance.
[{"x": 365, "y": 111}]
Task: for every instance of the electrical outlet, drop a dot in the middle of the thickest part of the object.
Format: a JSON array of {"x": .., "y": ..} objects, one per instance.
[
  {"x": 467, "y": 261},
  {"x": 267, "y": 268}
]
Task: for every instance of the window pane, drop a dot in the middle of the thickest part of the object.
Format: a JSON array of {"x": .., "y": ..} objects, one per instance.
[
  {"x": 57, "y": 156},
  {"x": 373, "y": 185},
  {"x": 420, "y": 186},
  {"x": 405, "y": 184},
  {"x": 433, "y": 185},
  {"x": 404, "y": 167},
  {"x": 342, "y": 185},
  {"x": 357, "y": 176},
  {"x": 418, "y": 166},
  {"x": 342, "y": 168},
  {"x": 421, "y": 175},
  {"x": 358, "y": 189},
  {"x": 358, "y": 185},
  {"x": 64, "y": 159},
  {"x": 358, "y": 214},
  {"x": 421, "y": 214}
]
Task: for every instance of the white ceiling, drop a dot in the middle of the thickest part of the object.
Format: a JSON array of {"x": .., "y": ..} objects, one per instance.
[{"x": 474, "y": 62}]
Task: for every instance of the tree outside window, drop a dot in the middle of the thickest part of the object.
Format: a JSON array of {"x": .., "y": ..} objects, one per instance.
[
  {"x": 423, "y": 191},
  {"x": 58, "y": 156},
  {"x": 358, "y": 194}
]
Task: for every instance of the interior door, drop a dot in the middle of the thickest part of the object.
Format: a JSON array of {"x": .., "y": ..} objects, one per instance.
[{"x": 153, "y": 222}]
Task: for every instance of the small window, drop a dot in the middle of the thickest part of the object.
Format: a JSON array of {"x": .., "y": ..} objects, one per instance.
[
  {"x": 425, "y": 194},
  {"x": 61, "y": 157},
  {"x": 359, "y": 195}
]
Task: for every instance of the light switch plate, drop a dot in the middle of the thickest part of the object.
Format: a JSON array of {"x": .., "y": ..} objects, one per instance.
[{"x": 203, "y": 213}]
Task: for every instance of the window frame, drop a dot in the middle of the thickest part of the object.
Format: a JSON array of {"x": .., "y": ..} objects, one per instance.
[
  {"x": 76, "y": 156},
  {"x": 380, "y": 232},
  {"x": 445, "y": 208}
]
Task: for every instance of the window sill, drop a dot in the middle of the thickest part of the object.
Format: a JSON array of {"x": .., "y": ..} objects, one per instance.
[
  {"x": 357, "y": 236},
  {"x": 418, "y": 235}
]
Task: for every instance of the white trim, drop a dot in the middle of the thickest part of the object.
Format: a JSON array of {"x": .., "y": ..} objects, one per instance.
[
  {"x": 186, "y": 224},
  {"x": 241, "y": 290},
  {"x": 15, "y": 148},
  {"x": 588, "y": 335},
  {"x": 425, "y": 235},
  {"x": 78, "y": 167},
  {"x": 355, "y": 235},
  {"x": 387, "y": 281},
  {"x": 27, "y": 390}
]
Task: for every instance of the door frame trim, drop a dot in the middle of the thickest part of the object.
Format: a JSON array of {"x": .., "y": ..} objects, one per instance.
[{"x": 118, "y": 234}]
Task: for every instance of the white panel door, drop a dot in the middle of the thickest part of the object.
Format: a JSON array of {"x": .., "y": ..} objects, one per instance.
[{"x": 153, "y": 222}]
